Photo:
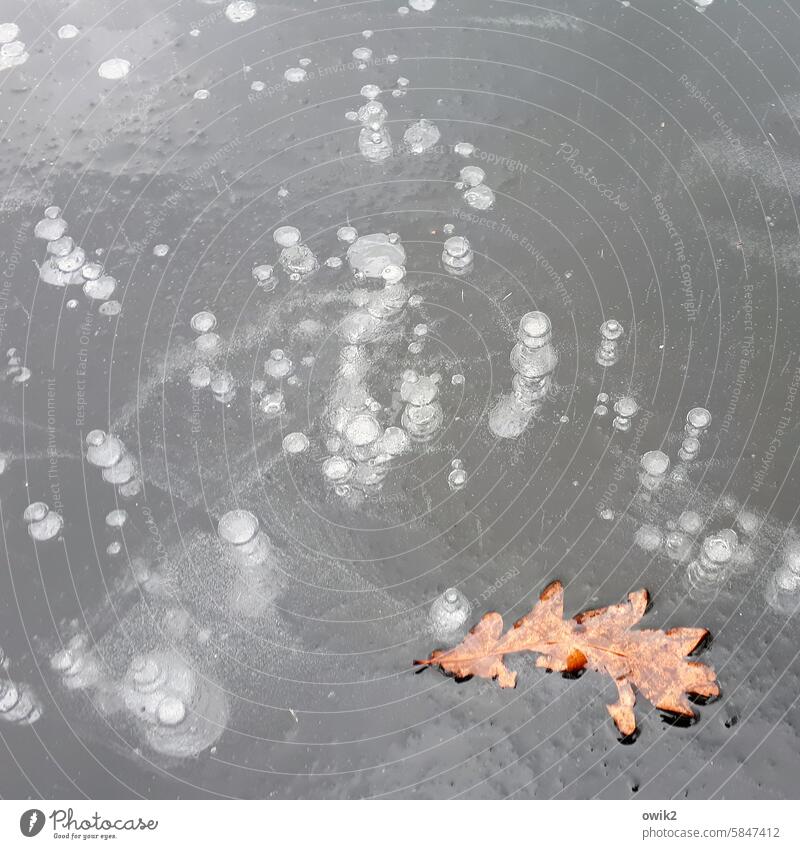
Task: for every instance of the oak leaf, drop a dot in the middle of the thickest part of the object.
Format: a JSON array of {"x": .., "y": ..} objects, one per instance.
[{"x": 653, "y": 662}]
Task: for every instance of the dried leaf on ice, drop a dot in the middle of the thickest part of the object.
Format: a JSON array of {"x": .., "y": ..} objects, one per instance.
[{"x": 653, "y": 662}]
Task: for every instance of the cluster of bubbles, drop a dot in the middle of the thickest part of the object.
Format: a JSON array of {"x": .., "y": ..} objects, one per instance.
[
  {"x": 625, "y": 408},
  {"x": 706, "y": 573},
  {"x": 457, "y": 256},
  {"x": 698, "y": 420},
  {"x": 475, "y": 192},
  {"x": 278, "y": 368},
  {"x": 108, "y": 453},
  {"x": 19, "y": 704},
  {"x": 18, "y": 373},
  {"x": 534, "y": 360},
  {"x": 253, "y": 556},
  {"x": 374, "y": 141},
  {"x": 115, "y": 520},
  {"x": 12, "y": 51},
  {"x": 611, "y": 332},
  {"x": 43, "y": 523},
  {"x": 67, "y": 263},
  {"x": 421, "y": 136},
  {"x": 783, "y": 586},
  {"x": 457, "y": 478},
  {"x": 174, "y": 712},
  {"x": 207, "y": 346},
  {"x": 422, "y": 414},
  {"x": 296, "y": 258}
]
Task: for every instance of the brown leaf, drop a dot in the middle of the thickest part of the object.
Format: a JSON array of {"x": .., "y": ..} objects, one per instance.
[{"x": 654, "y": 662}]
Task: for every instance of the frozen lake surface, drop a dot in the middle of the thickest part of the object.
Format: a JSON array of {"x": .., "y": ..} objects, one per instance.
[{"x": 269, "y": 397}]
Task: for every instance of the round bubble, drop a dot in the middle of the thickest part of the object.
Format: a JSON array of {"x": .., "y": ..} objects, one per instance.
[
  {"x": 240, "y": 11},
  {"x": 286, "y": 237},
  {"x": 114, "y": 69},
  {"x": 295, "y": 443}
]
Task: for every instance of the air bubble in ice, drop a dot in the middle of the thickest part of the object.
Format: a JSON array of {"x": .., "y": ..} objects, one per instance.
[
  {"x": 648, "y": 538},
  {"x": 8, "y": 32},
  {"x": 67, "y": 31},
  {"x": 50, "y": 229},
  {"x": 472, "y": 175},
  {"x": 23, "y": 375},
  {"x": 610, "y": 331},
  {"x": 457, "y": 256},
  {"x": 223, "y": 387},
  {"x": 295, "y": 443},
  {"x": 337, "y": 469},
  {"x": 362, "y": 54},
  {"x": 278, "y": 365},
  {"x": 72, "y": 261},
  {"x": 60, "y": 247},
  {"x": 100, "y": 289},
  {"x": 372, "y": 253},
  {"x": 480, "y": 197},
  {"x": 298, "y": 260},
  {"x": 203, "y": 321},
  {"x": 286, "y": 236},
  {"x": 347, "y": 235},
  {"x": 654, "y": 468},
  {"x": 626, "y": 408},
  {"x": 114, "y": 69},
  {"x": 116, "y": 518},
  {"x": 43, "y": 523},
  {"x": 370, "y": 91},
  {"x": 464, "y": 149},
  {"x": 697, "y": 420},
  {"x": 295, "y": 75},
  {"x": 207, "y": 344},
  {"x": 240, "y": 11},
  {"x": 421, "y": 136},
  {"x": 691, "y": 522},
  {"x": 422, "y": 5},
  {"x": 457, "y": 479},
  {"x": 273, "y": 404},
  {"x": 449, "y": 613}
]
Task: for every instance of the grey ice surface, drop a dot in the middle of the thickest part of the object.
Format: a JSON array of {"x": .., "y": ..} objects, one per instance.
[{"x": 645, "y": 164}]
